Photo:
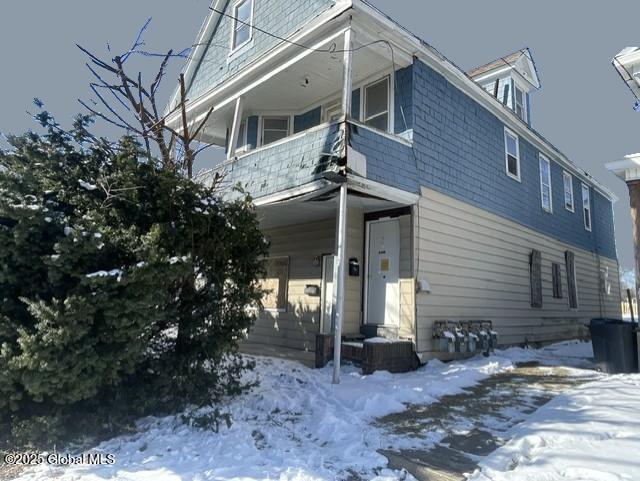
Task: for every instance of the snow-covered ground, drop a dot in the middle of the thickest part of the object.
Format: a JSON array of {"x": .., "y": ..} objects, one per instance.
[
  {"x": 298, "y": 426},
  {"x": 591, "y": 433}
]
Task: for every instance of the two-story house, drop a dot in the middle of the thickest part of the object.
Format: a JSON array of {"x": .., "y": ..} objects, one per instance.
[{"x": 359, "y": 140}]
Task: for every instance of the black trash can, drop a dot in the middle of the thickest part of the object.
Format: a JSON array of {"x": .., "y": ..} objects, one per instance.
[{"x": 615, "y": 345}]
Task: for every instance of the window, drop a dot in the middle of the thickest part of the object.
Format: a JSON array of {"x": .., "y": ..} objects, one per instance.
[
  {"x": 545, "y": 184},
  {"x": 274, "y": 129},
  {"x": 605, "y": 284},
  {"x": 568, "y": 191},
  {"x": 572, "y": 288},
  {"x": 333, "y": 111},
  {"x": 242, "y": 133},
  {"x": 512, "y": 150},
  {"x": 275, "y": 284},
  {"x": 376, "y": 104},
  {"x": 586, "y": 206},
  {"x": 242, "y": 23},
  {"x": 520, "y": 104},
  {"x": 556, "y": 274},
  {"x": 535, "y": 274}
]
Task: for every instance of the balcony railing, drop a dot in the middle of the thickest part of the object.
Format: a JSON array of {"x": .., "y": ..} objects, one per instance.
[{"x": 288, "y": 163}]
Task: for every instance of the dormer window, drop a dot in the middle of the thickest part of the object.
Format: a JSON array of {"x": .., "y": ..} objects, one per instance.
[
  {"x": 242, "y": 23},
  {"x": 520, "y": 103}
]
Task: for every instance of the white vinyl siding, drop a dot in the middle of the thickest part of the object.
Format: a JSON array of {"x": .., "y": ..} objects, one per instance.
[
  {"x": 377, "y": 104},
  {"x": 512, "y": 154},
  {"x": 567, "y": 179},
  {"x": 242, "y": 23},
  {"x": 586, "y": 206},
  {"x": 477, "y": 265},
  {"x": 545, "y": 184}
]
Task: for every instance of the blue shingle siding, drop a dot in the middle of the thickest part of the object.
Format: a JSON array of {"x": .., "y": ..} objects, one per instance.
[
  {"x": 388, "y": 161},
  {"x": 403, "y": 100},
  {"x": 460, "y": 150},
  {"x": 283, "y": 166},
  {"x": 275, "y": 16},
  {"x": 307, "y": 120}
]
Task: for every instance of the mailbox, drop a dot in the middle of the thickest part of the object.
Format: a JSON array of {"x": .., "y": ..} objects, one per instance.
[{"x": 354, "y": 267}]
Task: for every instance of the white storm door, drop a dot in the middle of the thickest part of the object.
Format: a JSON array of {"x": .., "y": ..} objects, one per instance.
[
  {"x": 383, "y": 272},
  {"x": 326, "y": 314}
]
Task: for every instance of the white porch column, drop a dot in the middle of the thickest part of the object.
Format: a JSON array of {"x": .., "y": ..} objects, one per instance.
[
  {"x": 341, "y": 223},
  {"x": 235, "y": 129}
]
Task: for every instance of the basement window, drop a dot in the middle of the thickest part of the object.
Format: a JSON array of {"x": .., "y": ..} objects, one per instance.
[
  {"x": 586, "y": 206},
  {"x": 512, "y": 154},
  {"x": 242, "y": 23},
  {"x": 274, "y": 129},
  {"x": 376, "y": 104},
  {"x": 545, "y": 184}
]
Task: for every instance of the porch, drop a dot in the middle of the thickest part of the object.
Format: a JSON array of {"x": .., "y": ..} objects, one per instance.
[{"x": 378, "y": 283}]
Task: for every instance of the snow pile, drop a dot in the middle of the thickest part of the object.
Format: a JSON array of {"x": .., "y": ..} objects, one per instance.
[
  {"x": 296, "y": 425},
  {"x": 591, "y": 433}
]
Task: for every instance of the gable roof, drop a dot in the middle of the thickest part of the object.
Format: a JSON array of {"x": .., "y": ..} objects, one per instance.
[{"x": 521, "y": 61}]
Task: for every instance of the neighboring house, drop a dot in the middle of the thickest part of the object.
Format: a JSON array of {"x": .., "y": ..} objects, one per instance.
[
  {"x": 457, "y": 209},
  {"x": 627, "y": 64}
]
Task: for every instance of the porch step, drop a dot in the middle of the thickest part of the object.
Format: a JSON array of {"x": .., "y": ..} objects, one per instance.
[{"x": 372, "y": 330}]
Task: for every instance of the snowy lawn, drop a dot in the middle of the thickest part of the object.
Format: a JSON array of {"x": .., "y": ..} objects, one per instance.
[{"x": 297, "y": 426}]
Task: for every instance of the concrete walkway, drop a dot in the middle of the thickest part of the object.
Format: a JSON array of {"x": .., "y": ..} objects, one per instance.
[{"x": 462, "y": 429}]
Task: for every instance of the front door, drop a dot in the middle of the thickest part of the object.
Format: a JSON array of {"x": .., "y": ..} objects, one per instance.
[
  {"x": 383, "y": 273},
  {"x": 326, "y": 314}
]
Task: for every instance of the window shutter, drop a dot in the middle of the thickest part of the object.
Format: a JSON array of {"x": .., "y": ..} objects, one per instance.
[
  {"x": 535, "y": 271},
  {"x": 557, "y": 280},
  {"x": 571, "y": 279}
]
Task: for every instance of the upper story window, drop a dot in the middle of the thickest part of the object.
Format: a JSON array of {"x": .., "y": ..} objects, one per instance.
[
  {"x": 520, "y": 103},
  {"x": 545, "y": 184},
  {"x": 567, "y": 179},
  {"x": 376, "y": 104},
  {"x": 242, "y": 23},
  {"x": 512, "y": 154},
  {"x": 586, "y": 206},
  {"x": 274, "y": 129},
  {"x": 333, "y": 111}
]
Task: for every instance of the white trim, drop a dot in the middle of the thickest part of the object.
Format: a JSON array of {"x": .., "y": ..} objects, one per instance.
[
  {"x": 309, "y": 190},
  {"x": 324, "y": 293},
  {"x": 289, "y": 118},
  {"x": 395, "y": 137},
  {"x": 363, "y": 96},
  {"x": 586, "y": 202},
  {"x": 233, "y": 49},
  {"x": 506, "y": 154},
  {"x": 393, "y": 194},
  {"x": 543, "y": 160},
  {"x": 567, "y": 175},
  {"x": 365, "y": 317}
]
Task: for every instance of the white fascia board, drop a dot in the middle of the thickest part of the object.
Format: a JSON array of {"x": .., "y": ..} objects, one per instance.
[
  {"x": 206, "y": 31},
  {"x": 462, "y": 81},
  {"x": 626, "y": 168},
  {"x": 628, "y": 56},
  {"x": 303, "y": 192},
  {"x": 386, "y": 192},
  {"x": 262, "y": 63}
]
